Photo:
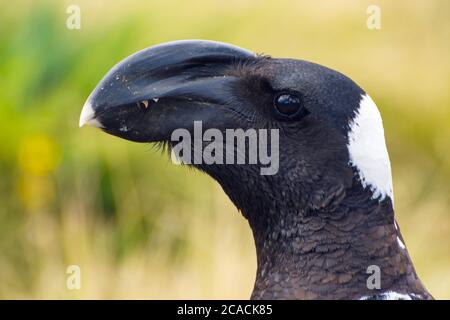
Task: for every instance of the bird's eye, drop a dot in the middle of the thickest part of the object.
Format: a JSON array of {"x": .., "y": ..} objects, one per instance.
[{"x": 289, "y": 106}]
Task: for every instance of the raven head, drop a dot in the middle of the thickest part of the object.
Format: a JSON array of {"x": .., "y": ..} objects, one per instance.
[
  {"x": 329, "y": 131},
  {"x": 325, "y": 213}
]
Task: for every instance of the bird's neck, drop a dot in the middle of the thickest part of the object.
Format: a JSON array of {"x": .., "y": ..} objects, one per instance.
[
  {"x": 332, "y": 255},
  {"x": 322, "y": 240}
]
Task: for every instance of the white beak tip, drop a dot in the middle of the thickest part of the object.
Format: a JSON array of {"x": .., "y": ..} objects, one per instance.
[{"x": 87, "y": 116}]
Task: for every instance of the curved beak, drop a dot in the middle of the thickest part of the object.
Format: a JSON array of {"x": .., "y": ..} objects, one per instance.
[{"x": 159, "y": 89}]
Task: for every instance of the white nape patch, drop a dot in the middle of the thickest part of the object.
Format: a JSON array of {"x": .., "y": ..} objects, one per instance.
[
  {"x": 367, "y": 150},
  {"x": 391, "y": 295},
  {"x": 400, "y": 243}
]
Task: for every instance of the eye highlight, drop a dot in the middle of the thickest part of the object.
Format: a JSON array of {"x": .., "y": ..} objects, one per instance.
[{"x": 289, "y": 106}]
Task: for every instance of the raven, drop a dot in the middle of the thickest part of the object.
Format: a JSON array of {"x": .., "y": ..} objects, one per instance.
[{"x": 323, "y": 223}]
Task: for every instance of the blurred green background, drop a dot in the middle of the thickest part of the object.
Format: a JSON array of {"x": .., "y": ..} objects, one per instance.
[{"x": 140, "y": 227}]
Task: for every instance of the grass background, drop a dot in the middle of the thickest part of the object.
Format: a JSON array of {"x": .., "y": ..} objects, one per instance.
[{"x": 140, "y": 227}]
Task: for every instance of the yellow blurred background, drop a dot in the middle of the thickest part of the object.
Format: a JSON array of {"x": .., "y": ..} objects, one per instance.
[{"x": 140, "y": 227}]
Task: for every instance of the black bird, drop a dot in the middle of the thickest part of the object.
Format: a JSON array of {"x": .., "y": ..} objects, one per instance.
[{"x": 323, "y": 224}]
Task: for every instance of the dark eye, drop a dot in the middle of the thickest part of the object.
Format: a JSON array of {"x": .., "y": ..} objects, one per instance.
[{"x": 289, "y": 106}]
